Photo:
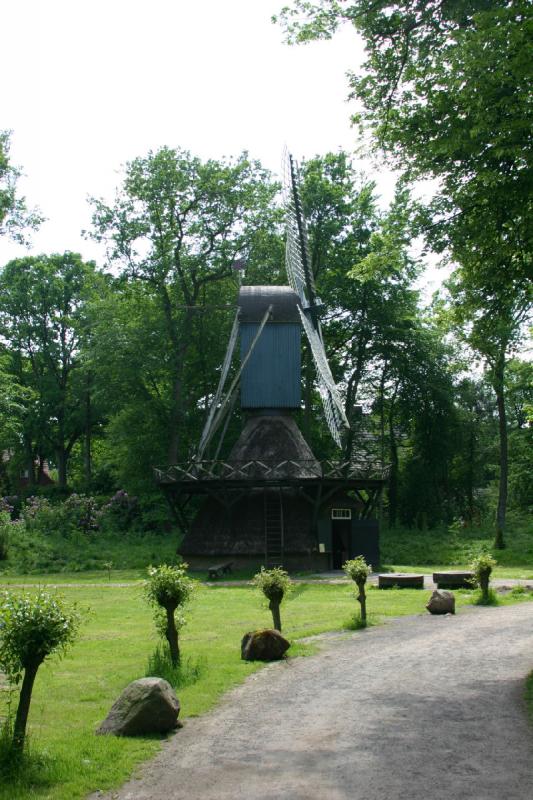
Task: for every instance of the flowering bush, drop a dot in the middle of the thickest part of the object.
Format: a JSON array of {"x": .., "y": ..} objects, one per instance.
[
  {"x": 120, "y": 510},
  {"x": 80, "y": 512},
  {"x": 39, "y": 515},
  {"x": 5, "y": 506}
]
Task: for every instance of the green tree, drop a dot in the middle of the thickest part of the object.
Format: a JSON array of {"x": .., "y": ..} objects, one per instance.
[
  {"x": 32, "y": 627},
  {"x": 445, "y": 93},
  {"x": 15, "y": 218},
  {"x": 177, "y": 227},
  {"x": 275, "y": 585},
  {"x": 169, "y": 589},
  {"x": 358, "y": 570},
  {"x": 43, "y": 301}
]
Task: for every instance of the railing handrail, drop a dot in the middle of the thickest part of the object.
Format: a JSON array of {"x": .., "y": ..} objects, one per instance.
[{"x": 218, "y": 469}]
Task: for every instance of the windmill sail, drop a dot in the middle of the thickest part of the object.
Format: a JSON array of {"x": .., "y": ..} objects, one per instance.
[
  {"x": 331, "y": 399},
  {"x": 297, "y": 259},
  {"x": 300, "y": 274}
]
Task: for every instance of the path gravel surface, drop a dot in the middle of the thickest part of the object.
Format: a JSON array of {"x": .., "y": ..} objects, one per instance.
[{"x": 423, "y": 708}]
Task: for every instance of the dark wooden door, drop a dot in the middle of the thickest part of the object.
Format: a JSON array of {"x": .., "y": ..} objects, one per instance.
[{"x": 340, "y": 541}]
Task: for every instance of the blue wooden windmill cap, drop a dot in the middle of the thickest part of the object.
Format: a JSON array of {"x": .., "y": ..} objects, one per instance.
[
  {"x": 271, "y": 379},
  {"x": 254, "y": 301}
]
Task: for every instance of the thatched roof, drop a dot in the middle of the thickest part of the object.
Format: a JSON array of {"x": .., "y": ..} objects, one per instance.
[{"x": 273, "y": 439}]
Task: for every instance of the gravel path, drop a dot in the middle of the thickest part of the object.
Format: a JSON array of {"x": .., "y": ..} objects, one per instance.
[{"x": 422, "y": 707}]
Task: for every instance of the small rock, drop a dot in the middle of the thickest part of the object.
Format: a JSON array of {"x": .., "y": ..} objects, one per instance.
[
  {"x": 148, "y": 705},
  {"x": 441, "y": 602},
  {"x": 263, "y": 645}
]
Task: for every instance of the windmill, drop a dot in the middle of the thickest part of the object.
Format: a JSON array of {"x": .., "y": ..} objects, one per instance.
[{"x": 268, "y": 497}]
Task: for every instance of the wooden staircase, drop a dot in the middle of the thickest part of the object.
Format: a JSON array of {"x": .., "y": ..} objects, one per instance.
[{"x": 274, "y": 532}]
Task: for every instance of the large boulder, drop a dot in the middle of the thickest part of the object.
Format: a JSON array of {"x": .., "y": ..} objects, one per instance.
[
  {"x": 263, "y": 645},
  {"x": 147, "y": 705},
  {"x": 441, "y": 602}
]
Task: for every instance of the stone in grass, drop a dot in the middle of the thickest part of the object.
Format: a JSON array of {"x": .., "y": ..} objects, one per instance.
[
  {"x": 146, "y": 706},
  {"x": 441, "y": 602},
  {"x": 263, "y": 645}
]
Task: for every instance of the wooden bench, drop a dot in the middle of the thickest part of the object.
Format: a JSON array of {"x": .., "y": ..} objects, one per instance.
[
  {"x": 402, "y": 580},
  {"x": 453, "y": 580},
  {"x": 220, "y": 569}
]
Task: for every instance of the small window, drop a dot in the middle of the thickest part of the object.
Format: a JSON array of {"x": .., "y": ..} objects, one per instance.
[{"x": 341, "y": 513}]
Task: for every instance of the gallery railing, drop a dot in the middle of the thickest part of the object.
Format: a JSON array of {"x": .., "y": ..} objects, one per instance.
[{"x": 197, "y": 471}]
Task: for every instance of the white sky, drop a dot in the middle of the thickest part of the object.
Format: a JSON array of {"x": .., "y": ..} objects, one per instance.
[{"x": 90, "y": 85}]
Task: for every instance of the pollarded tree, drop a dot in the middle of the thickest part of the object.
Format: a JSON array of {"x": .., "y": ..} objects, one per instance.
[
  {"x": 275, "y": 585},
  {"x": 358, "y": 570},
  {"x": 32, "y": 627},
  {"x": 169, "y": 589}
]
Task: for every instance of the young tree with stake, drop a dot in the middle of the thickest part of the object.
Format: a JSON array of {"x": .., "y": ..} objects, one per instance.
[{"x": 32, "y": 627}]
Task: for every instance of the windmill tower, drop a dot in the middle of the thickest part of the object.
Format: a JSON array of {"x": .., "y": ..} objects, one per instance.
[{"x": 269, "y": 501}]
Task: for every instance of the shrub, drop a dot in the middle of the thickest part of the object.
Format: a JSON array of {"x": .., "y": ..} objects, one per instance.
[
  {"x": 482, "y": 567},
  {"x": 275, "y": 585},
  {"x": 79, "y": 512},
  {"x": 5, "y": 525},
  {"x": 120, "y": 511},
  {"x": 183, "y": 674},
  {"x": 169, "y": 589},
  {"x": 40, "y": 516},
  {"x": 358, "y": 570},
  {"x": 31, "y": 629}
]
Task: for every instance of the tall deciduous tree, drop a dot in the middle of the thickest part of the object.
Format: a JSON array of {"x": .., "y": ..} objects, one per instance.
[
  {"x": 43, "y": 301},
  {"x": 177, "y": 226},
  {"x": 445, "y": 92}
]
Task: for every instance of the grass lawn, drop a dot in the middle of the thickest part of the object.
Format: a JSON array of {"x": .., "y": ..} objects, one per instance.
[
  {"x": 411, "y": 550},
  {"x": 74, "y": 694}
]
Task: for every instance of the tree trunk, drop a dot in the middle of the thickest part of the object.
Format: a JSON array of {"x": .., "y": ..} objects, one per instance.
[
  {"x": 176, "y": 410},
  {"x": 172, "y": 637},
  {"x": 21, "y": 720},
  {"x": 62, "y": 458},
  {"x": 87, "y": 460},
  {"x": 498, "y": 384},
  {"x": 393, "y": 480},
  {"x": 276, "y": 617},
  {"x": 362, "y": 600},
  {"x": 30, "y": 462},
  {"x": 484, "y": 579}
]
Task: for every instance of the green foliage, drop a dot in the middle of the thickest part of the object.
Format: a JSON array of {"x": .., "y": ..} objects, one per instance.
[
  {"x": 32, "y": 627},
  {"x": 357, "y": 569},
  {"x": 168, "y": 586},
  {"x": 15, "y": 218},
  {"x": 5, "y": 527},
  {"x": 482, "y": 566},
  {"x": 275, "y": 583},
  {"x": 43, "y": 320},
  {"x": 185, "y": 673},
  {"x": 488, "y": 598},
  {"x": 445, "y": 94}
]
